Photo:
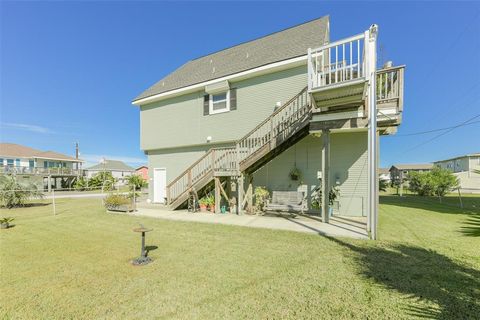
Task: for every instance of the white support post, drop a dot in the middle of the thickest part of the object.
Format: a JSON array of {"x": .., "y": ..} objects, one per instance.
[
  {"x": 53, "y": 203},
  {"x": 371, "y": 63},
  {"x": 309, "y": 69},
  {"x": 325, "y": 175}
]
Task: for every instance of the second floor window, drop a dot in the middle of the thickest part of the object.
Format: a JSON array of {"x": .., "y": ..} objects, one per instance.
[{"x": 219, "y": 102}]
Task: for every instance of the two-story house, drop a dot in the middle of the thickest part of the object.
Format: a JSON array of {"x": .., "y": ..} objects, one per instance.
[
  {"x": 251, "y": 114},
  {"x": 46, "y": 169},
  {"x": 466, "y": 168}
]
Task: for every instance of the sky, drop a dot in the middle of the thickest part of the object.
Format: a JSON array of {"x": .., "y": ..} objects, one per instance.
[{"x": 69, "y": 70}]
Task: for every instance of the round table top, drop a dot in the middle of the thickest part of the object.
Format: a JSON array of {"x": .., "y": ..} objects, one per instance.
[{"x": 142, "y": 229}]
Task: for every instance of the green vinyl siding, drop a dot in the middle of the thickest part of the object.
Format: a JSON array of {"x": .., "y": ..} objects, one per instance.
[
  {"x": 348, "y": 165},
  {"x": 175, "y": 161},
  {"x": 179, "y": 121}
]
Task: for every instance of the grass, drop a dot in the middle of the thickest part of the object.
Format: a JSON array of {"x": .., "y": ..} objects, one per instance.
[{"x": 76, "y": 265}]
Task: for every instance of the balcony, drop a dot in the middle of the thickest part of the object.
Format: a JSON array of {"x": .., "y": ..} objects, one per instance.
[
  {"x": 338, "y": 84},
  {"x": 40, "y": 171}
]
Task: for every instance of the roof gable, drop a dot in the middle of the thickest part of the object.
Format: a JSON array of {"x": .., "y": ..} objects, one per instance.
[
  {"x": 111, "y": 165},
  {"x": 17, "y": 150},
  {"x": 287, "y": 44}
]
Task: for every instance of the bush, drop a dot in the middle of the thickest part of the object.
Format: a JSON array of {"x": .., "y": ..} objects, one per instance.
[
  {"x": 103, "y": 180},
  {"x": 261, "y": 196},
  {"x": 80, "y": 184},
  {"x": 436, "y": 182},
  {"x": 14, "y": 194},
  {"x": 116, "y": 201},
  {"x": 136, "y": 181}
]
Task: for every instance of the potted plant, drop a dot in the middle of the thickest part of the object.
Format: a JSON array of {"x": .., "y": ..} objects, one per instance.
[
  {"x": 203, "y": 203},
  {"x": 211, "y": 203},
  {"x": 316, "y": 202},
  {"x": 5, "y": 222},
  {"x": 295, "y": 174}
]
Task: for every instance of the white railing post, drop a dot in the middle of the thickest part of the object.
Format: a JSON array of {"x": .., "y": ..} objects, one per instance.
[
  {"x": 370, "y": 63},
  {"x": 309, "y": 69}
]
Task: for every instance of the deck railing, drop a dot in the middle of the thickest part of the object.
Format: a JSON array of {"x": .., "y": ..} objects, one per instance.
[
  {"x": 271, "y": 132},
  {"x": 216, "y": 159},
  {"x": 337, "y": 62},
  {"x": 39, "y": 170},
  {"x": 390, "y": 84},
  {"x": 276, "y": 128}
]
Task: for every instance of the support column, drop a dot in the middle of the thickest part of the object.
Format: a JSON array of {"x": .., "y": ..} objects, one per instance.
[
  {"x": 217, "y": 195},
  {"x": 325, "y": 174},
  {"x": 249, "y": 194},
  {"x": 49, "y": 184},
  {"x": 371, "y": 58},
  {"x": 240, "y": 194}
]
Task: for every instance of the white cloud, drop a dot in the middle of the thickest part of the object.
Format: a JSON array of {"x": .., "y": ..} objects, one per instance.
[{"x": 26, "y": 127}]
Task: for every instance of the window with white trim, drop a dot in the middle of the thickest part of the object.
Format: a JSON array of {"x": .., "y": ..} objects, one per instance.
[{"x": 220, "y": 102}]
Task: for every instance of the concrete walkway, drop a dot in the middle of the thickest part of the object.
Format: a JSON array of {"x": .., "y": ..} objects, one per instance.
[{"x": 351, "y": 227}]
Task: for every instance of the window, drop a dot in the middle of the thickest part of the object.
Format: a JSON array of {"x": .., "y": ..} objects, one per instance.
[
  {"x": 31, "y": 163},
  {"x": 17, "y": 162},
  {"x": 10, "y": 162},
  {"x": 219, "y": 102},
  {"x": 1, "y": 161}
]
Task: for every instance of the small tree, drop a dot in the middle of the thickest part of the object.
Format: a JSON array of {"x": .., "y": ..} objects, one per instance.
[
  {"x": 14, "y": 194},
  {"x": 382, "y": 185},
  {"x": 103, "y": 179},
  {"x": 80, "y": 184},
  {"x": 136, "y": 181},
  {"x": 444, "y": 181},
  {"x": 437, "y": 182}
]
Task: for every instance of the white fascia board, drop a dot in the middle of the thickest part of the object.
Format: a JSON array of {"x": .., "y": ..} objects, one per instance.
[{"x": 269, "y": 68}]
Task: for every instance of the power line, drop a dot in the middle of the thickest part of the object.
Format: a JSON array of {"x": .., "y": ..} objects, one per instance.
[
  {"x": 441, "y": 134},
  {"x": 434, "y": 130}
]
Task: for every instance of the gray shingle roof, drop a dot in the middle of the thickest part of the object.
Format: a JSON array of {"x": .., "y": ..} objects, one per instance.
[
  {"x": 17, "y": 150},
  {"x": 286, "y": 44},
  {"x": 111, "y": 165},
  {"x": 413, "y": 166}
]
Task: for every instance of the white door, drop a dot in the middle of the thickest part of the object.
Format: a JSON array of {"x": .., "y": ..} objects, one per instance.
[{"x": 159, "y": 185}]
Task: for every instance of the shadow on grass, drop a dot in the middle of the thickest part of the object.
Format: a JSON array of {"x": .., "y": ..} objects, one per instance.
[
  {"x": 424, "y": 275},
  {"x": 423, "y": 203},
  {"x": 472, "y": 226},
  {"x": 150, "y": 248}
]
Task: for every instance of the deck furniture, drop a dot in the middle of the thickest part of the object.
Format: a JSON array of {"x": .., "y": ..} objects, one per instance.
[{"x": 289, "y": 201}]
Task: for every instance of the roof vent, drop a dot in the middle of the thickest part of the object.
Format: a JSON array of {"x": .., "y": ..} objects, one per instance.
[{"x": 247, "y": 55}]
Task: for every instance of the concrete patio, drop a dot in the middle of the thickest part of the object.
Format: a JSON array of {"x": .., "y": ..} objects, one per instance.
[{"x": 352, "y": 227}]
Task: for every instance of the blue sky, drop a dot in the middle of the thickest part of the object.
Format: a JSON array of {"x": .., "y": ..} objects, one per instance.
[{"x": 69, "y": 70}]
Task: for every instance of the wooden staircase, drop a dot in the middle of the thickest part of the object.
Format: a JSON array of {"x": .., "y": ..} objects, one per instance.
[{"x": 281, "y": 129}]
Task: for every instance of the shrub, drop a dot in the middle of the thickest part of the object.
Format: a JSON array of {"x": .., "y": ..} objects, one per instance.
[
  {"x": 115, "y": 201},
  {"x": 316, "y": 202},
  {"x": 14, "y": 194},
  {"x": 436, "y": 182},
  {"x": 103, "y": 180},
  {"x": 80, "y": 184},
  {"x": 136, "y": 181},
  {"x": 261, "y": 195}
]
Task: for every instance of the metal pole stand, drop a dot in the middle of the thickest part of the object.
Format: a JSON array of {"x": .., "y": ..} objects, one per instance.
[{"x": 144, "y": 258}]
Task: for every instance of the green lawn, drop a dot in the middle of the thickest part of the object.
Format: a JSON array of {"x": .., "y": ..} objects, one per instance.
[{"x": 76, "y": 265}]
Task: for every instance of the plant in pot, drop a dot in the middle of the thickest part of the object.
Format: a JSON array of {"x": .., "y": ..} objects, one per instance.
[
  {"x": 211, "y": 203},
  {"x": 261, "y": 198},
  {"x": 295, "y": 174},
  {"x": 203, "y": 203},
  {"x": 316, "y": 202},
  {"x": 5, "y": 222}
]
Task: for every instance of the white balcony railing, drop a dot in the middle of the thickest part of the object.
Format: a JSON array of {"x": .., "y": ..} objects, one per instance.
[
  {"x": 337, "y": 62},
  {"x": 38, "y": 170}
]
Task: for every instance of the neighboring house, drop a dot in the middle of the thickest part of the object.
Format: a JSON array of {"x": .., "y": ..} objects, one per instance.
[
  {"x": 119, "y": 170},
  {"x": 464, "y": 167},
  {"x": 142, "y": 171},
  {"x": 384, "y": 174},
  {"x": 399, "y": 172},
  {"x": 248, "y": 115},
  {"x": 46, "y": 169}
]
